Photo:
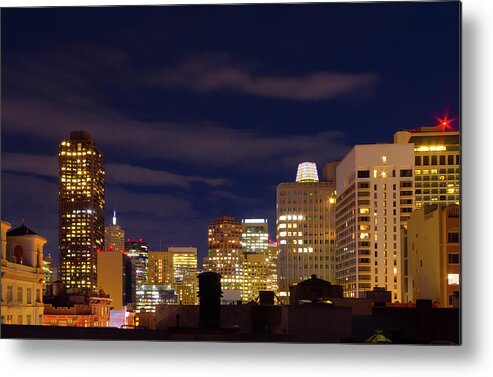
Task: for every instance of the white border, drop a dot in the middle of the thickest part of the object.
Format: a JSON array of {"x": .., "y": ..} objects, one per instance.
[{"x": 83, "y": 358}]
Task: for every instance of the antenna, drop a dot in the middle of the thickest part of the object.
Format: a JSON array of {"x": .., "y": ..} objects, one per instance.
[{"x": 114, "y": 217}]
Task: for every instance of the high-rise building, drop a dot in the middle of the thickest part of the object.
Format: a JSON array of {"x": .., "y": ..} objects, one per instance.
[
  {"x": 305, "y": 228},
  {"x": 177, "y": 268},
  {"x": 431, "y": 256},
  {"x": 116, "y": 277},
  {"x": 437, "y": 164},
  {"x": 255, "y": 275},
  {"x": 137, "y": 251},
  {"x": 374, "y": 202},
  {"x": 22, "y": 276},
  {"x": 225, "y": 254},
  {"x": 184, "y": 274},
  {"x": 255, "y": 265},
  {"x": 114, "y": 236},
  {"x": 81, "y": 213},
  {"x": 255, "y": 236}
]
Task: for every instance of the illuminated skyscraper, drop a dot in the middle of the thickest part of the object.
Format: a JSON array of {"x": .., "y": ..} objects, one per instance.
[
  {"x": 226, "y": 252},
  {"x": 137, "y": 251},
  {"x": 177, "y": 268},
  {"x": 374, "y": 202},
  {"x": 255, "y": 236},
  {"x": 81, "y": 214},
  {"x": 114, "y": 236},
  {"x": 255, "y": 265},
  {"x": 255, "y": 269},
  {"x": 437, "y": 164},
  {"x": 305, "y": 229}
]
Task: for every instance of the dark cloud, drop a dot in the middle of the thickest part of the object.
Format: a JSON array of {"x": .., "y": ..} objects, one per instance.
[
  {"x": 124, "y": 174},
  {"x": 218, "y": 72}
]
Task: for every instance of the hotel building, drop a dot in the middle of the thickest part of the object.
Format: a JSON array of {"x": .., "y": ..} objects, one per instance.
[
  {"x": 81, "y": 213},
  {"x": 225, "y": 252},
  {"x": 437, "y": 164},
  {"x": 305, "y": 228},
  {"x": 114, "y": 236},
  {"x": 374, "y": 201},
  {"x": 431, "y": 256},
  {"x": 22, "y": 276}
]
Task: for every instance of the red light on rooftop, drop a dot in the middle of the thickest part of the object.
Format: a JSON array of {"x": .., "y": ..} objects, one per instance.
[{"x": 444, "y": 123}]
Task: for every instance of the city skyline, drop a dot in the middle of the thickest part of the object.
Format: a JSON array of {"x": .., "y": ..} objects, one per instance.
[{"x": 242, "y": 93}]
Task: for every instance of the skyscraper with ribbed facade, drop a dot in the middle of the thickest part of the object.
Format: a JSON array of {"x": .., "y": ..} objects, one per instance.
[{"x": 81, "y": 211}]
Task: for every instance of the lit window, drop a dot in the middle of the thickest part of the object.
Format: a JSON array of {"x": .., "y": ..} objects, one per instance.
[{"x": 453, "y": 279}]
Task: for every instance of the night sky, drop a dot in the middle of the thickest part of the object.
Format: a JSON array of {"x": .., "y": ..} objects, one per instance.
[{"x": 202, "y": 110}]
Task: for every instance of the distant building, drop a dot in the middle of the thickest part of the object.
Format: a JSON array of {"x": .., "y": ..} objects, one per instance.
[
  {"x": 116, "y": 277},
  {"x": 81, "y": 215},
  {"x": 151, "y": 295},
  {"x": 184, "y": 269},
  {"x": 374, "y": 202},
  {"x": 114, "y": 236},
  {"x": 255, "y": 236},
  {"x": 437, "y": 164},
  {"x": 255, "y": 275},
  {"x": 225, "y": 255},
  {"x": 22, "y": 276},
  {"x": 272, "y": 253},
  {"x": 305, "y": 228},
  {"x": 138, "y": 253},
  {"x": 75, "y": 307},
  {"x": 50, "y": 271},
  {"x": 176, "y": 267},
  {"x": 431, "y": 257}
]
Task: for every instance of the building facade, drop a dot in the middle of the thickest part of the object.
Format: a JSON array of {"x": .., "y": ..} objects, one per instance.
[
  {"x": 138, "y": 253},
  {"x": 22, "y": 276},
  {"x": 149, "y": 296},
  {"x": 305, "y": 229},
  {"x": 75, "y": 307},
  {"x": 50, "y": 271},
  {"x": 225, "y": 253},
  {"x": 176, "y": 267},
  {"x": 116, "y": 277},
  {"x": 114, "y": 236},
  {"x": 374, "y": 201},
  {"x": 437, "y": 164},
  {"x": 255, "y": 269},
  {"x": 255, "y": 236},
  {"x": 81, "y": 212},
  {"x": 431, "y": 257}
]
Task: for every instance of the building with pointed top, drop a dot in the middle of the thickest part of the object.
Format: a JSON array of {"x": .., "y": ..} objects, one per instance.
[
  {"x": 22, "y": 276},
  {"x": 114, "y": 236}
]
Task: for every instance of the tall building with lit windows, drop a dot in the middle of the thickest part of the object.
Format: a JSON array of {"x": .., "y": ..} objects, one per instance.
[
  {"x": 305, "y": 228},
  {"x": 177, "y": 268},
  {"x": 81, "y": 212},
  {"x": 374, "y": 201},
  {"x": 138, "y": 253},
  {"x": 114, "y": 236},
  {"x": 437, "y": 164},
  {"x": 255, "y": 236},
  {"x": 225, "y": 252}
]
